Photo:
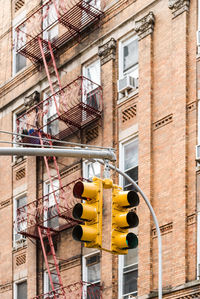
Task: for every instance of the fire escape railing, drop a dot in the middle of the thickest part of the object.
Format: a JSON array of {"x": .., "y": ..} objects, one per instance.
[
  {"x": 71, "y": 19},
  {"x": 79, "y": 104}
]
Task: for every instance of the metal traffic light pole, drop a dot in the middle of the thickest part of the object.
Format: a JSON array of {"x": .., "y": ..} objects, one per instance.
[
  {"x": 106, "y": 154},
  {"x": 107, "y": 166}
]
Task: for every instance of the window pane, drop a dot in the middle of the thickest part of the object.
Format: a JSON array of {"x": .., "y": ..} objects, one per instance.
[
  {"x": 94, "y": 273},
  {"x": 130, "y": 282},
  {"x": 22, "y": 290},
  {"x": 131, "y": 257},
  {"x": 130, "y": 55},
  {"x": 93, "y": 169},
  {"x": 133, "y": 173},
  {"x": 131, "y": 155},
  {"x": 21, "y": 202},
  {"x": 20, "y": 62}
]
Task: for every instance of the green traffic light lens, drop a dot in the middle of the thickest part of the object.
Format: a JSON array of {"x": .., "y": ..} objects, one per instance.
[{"x": 131, "y": 241}]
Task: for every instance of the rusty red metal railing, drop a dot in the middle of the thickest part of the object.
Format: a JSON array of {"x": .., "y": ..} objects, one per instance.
[
  {"x": 79, "y": 104},
  {"x": 41, "y": 213},
  {"x": 57, "y": 22},
  {"x": 78, "y": 290}
]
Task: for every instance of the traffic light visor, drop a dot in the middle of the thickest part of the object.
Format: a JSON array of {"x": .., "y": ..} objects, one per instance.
[
  {"x": 84, "y": 211},
  {"x": 84, "y": 233},
  {"x": 85, "y": 190},
  {"x": 127, "y": 199}
]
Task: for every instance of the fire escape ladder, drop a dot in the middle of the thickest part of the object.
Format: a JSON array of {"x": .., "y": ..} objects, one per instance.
[
  {"x": 48, "y": 73},
  {"x": 49, "y": 173},
  {"x": 48, "y": 234}
]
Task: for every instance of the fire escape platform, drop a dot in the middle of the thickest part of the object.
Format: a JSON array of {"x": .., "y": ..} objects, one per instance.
[
  {"x": 71, "y": 22},
  {"x": 79, "y": 104}
]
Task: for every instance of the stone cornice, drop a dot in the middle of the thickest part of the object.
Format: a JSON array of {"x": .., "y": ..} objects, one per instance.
[
  {"x": 178, "y": 6},
  {"x": 145, "y": 25},
  {"x": 107, "y": 51}
]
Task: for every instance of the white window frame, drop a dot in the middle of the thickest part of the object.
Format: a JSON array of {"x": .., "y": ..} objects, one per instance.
[
  {"x": 120, "y": 277},
  {"x": 46, "y": 285},
  {"x": 16, "y": 243},
  {"x": 135, "y": 68},
  {"x": 19, "y": 19},
  {"x": 48, "y": 115},
  {"x": 47, "y": 33},
  {"x": 86, "y": 164},
  {"x": 85, "y": 273},
  {"x": 85, "y": 67},
  {"x": 122, "y": 144},
  {"x": 51, "y": 201},
  {"x": 15, "y": 287}
]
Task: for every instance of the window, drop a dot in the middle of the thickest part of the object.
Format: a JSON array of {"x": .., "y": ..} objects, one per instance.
[
  {"x": 20, "y": 290},
  {"x": 128, "y": 273},
  {"x": 129, "y": 161},
  {"x": 128, "y": 57},
  {"x": 47, "y": 284},
  {"x": 128, "y": 267},
  {"x": 91, "y": 169},
  {"x": 19, "y": 40},
  {"x": 91, "y": 86},
  {"x": 91, "y": 274},
  {"x": 20, "y": 220},
  {"x": 50, "y": 24},
  {"x": 51, "y": 218},
  {"x": 50, "y": 119}
]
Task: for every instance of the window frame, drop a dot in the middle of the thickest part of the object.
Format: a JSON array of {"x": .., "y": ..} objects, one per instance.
[
  {"x": 121, "y": 277},
  {"x": 135, "y": 68},
  {"x": 15, "y": 243},
  {"x": 17, "y": 21},
  {"x": 47, "y": 185},
  {"x": 47, "y": 32},
  {"x": 85, "y": 165},
  {"x": 54, "y": 117},
  {"x": 85, "y": 272},
  {"x": 122, "y": 145},
  {"x": 15, "y": 287}
]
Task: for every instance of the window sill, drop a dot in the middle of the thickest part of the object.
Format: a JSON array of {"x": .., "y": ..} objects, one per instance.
[{"x": 125, "y": 98}]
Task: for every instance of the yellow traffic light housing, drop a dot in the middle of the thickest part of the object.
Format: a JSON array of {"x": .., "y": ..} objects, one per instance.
[
  {"x": 123, "y": 219},
  {"x": 90, "y": 212}
]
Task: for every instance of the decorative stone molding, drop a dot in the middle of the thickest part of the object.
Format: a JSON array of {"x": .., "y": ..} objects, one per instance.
[
  {"x": 129, "y": 113},
  {"x": 178, "y": 6},
  {"x": 191, "y": 106},
  {"x": 6, "y": 287},
  {"x": 5, "y": 203},
  {"x": 145, "y": 25},
  {"x": 162, "y": 122},
  {"x": 107, "y": 51},
  {"x": 32, "y": 99},
  {"x": 191, "y": 219},
  {"x": 164, "y": 229}
]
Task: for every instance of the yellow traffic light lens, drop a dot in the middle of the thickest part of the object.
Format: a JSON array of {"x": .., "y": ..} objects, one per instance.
[
  {"x": 133, "y": 198},
  {"x": 77, "y": 233},
  {"x": 131, "y": 240}
]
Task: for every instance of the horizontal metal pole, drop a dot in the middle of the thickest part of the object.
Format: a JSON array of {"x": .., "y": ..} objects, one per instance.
[{"x": 68, "y": 152}]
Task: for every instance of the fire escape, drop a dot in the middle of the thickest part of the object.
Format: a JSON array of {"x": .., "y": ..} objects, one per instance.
[{"x": 67, "y": 110}]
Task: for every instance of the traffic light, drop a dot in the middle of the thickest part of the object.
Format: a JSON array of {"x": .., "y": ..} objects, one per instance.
[
  {"x": 123, "y": 219},
  {"x": 90, "y": 212}
]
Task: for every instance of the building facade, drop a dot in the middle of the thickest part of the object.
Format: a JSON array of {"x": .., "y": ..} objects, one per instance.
[{"x": 120, "y": 74}]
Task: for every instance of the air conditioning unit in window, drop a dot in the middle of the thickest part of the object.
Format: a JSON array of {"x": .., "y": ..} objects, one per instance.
[
  {"x": 20, "y": 242},
  {"x": 127, "y": 83}
]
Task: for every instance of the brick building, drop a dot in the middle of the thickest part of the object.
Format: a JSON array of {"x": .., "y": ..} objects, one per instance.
[{"x": 121, "y": 74}]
